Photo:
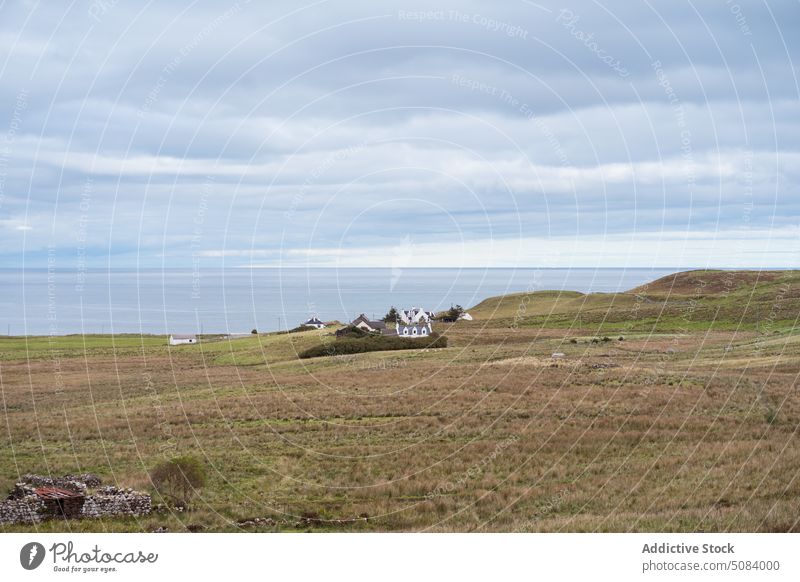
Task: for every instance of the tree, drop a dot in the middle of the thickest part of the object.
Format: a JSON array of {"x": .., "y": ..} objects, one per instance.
[
  {"x": 179, "y": 479},
  {"x": 454, "y": 313},
  {"x": 254, "y": 331},
  {"x": 391, "y": 317}
]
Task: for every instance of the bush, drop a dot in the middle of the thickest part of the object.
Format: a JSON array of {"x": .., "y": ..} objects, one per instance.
[
  {"x": 453, "y": 314},
  {"x": 573, "y": 341},
  {"x": 374, "y": 344},
  {"x": 179, "y": 479},
  {"x": 771, "y": 415},
  {"x": 352, "y": 332}
]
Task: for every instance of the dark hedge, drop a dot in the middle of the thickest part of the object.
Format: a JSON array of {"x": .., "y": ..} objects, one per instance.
[{"x": 374, "y": 344}]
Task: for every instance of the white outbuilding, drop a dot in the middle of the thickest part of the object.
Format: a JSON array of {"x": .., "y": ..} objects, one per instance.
[
  {"x": 314, "y": 322},
  {"x": 178, "y": 339}
]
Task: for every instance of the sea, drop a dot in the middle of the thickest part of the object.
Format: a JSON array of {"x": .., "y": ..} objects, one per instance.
[{"x": 238, "y": 300}]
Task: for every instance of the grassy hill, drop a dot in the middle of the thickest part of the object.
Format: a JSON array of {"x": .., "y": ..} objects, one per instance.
[
  {"x": 717, "y": 282},
  {"x": 692, "y": 300}
]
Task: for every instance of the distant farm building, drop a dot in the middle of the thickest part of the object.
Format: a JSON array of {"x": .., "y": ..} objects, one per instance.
[
  {"x": 411, "y": 323},
  {"x": 370, "y": 325},
  {"x": 181, "y": 339},
  {"x": 315, "y": 323},
  {"x": 414, "y": 322}
]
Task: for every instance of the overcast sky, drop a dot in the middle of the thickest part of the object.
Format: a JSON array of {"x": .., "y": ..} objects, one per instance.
[{"x": 431, "y": 133}]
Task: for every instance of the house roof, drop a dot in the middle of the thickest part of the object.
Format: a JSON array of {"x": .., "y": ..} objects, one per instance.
[
  {"x": 374, "y": 324},
  {"x": 415, "y": 315},
  {"x": 183, "y": 336},
  {"x": 315, "y": 320},
  {"x": 55, "y": 493}
]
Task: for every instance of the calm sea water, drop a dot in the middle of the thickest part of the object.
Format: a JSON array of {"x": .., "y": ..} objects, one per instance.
[{"x": 41, "y": 302}]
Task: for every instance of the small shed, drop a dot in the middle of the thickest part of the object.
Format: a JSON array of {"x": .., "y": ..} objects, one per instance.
[
  {"x": 60, "y": 503},
  {"x": 177, "y": 339}
]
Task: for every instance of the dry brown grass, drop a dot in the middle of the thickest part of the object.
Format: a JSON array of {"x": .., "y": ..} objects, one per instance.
[{"x": 660, "y": 432}]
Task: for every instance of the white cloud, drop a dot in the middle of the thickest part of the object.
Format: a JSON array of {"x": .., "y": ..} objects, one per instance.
[{"x": 776, "y": 248}]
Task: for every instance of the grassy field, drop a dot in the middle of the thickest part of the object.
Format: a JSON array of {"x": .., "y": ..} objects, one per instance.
[{"x": 675, "y": 407}]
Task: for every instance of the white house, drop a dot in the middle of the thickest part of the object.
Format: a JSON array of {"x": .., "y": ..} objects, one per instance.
[
  {"x": 414, "y": 316},
  {"x": 314, "y": 322},
  {"x": 177, "y": 339},
  {"x": 414, "y": 322}
]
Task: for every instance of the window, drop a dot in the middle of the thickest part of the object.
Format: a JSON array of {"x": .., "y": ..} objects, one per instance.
[{"x": 405, "y": 331}]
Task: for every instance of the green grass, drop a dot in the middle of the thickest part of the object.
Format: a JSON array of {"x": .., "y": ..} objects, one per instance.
[{"x": 34, "y": 347}]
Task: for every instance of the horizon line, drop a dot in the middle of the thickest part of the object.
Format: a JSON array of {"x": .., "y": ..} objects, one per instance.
[{"x": 521, "y": 268}]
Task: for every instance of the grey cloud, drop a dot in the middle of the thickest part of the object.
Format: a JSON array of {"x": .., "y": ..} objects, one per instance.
[{"x": 510, "y": 119}]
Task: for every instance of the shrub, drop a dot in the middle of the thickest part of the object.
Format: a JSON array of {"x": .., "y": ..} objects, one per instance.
[
  {"x": 453, "y": 314},
  {"x": 771, "y": 415},
  {"x": 179, "y": 479},
  {"x": 374, "y": 343},
  {"x": 351, "y": 331},
  {"x": 573, "y": 341}
]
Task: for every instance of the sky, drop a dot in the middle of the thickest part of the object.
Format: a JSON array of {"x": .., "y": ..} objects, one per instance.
[{"x": 430, "y": 134}]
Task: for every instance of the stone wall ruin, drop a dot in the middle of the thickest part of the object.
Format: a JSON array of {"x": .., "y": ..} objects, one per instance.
[{"x": 25, "y": 506}]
